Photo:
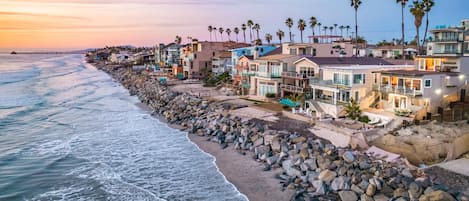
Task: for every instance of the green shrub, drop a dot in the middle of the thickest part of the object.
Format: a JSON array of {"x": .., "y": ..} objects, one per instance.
[
  {"x": 364, "y": 119},
  {"x": 270, "y": 95}
]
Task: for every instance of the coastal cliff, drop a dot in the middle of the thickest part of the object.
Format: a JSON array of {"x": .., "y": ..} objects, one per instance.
[{"x": 309, "y": 167}]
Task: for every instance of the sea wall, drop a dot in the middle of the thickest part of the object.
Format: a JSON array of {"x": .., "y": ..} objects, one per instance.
[{"x": 314, "y": 169}]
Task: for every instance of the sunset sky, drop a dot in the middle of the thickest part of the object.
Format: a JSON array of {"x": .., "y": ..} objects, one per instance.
[{"x": 75, "y": 24}]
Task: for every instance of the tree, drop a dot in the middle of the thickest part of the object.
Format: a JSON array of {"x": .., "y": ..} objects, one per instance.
[
  {"x": 319, "y": 28},
  {"x": 356, "y": 4},
  {"x": 403, "y": 3},
  {"x": 258, "y": 42},
  {"x": 427, "y": 4},
  {"x": 257, "y": 27},
  {"x": 228, "y": 32},
  {"x": 325, "y": 28},
  {"x": 312, "y": 23},
  {"x": 347, "y": 28},
  {"x": 342, "y": 27},
  {"x": 331, "y": 29},
  {"x": 243, "y": 27},
  {"x": 210, "y": 29},
  {"x": 417, "y": 10},
  {"x": 268, "y": 38},
  {"x": 221, "y": 32},
  {"x": 335, "y": 29},
  {"x": 280, "y": 35},
  {"x": 215, "y": 30},
  {"x": 178, "y": 40},
  {"x": 250, "y": 24},
  {"x": 289, "y": 23},
  {"x": 352, "y": 109},
  {"x": 301, "y": 27},
  {"x": 236, "y": 31}
]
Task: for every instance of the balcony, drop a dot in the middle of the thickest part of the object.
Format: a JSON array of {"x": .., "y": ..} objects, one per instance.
[
  {"x": 328, "y": 84},
  {"x": 397, "y": 90},
  {"x": 292, "y": 88},
  {"x": 269, "y": 74},
  {"x": 447, "y": 52},
  {"x": 440, "y": 40},
  {"x": 295, "y": 75}
]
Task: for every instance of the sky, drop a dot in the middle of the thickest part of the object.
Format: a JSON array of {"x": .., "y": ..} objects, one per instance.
[{"x": 79, "y": 24}]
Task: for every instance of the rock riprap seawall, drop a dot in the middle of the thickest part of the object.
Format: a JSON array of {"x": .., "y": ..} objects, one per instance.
[{"x": 314, "y": 169}]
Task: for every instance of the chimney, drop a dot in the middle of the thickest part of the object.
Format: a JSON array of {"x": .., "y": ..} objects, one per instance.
[{"x": 255, "y": 54}]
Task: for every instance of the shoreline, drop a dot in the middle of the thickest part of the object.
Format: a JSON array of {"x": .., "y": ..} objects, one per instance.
[{"x": 264, "y": 163}]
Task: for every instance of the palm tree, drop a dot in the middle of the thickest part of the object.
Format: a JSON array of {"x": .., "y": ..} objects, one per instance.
[
  {"x": 257, "y": 27},
  {"x": 301, "y": 27},
  {"x": 352, "y": 109},
  {"x": 428, "y": 4},
  {"x": 258, "y": 41},
  {"x": 289, "y": 23},
  {"x": 356, "y": 4},
  {"x": 325, "y": 31},
  {"x": 403, "y": 3},
  {"x": 280, "y": 35},
  {"x": 347, "y": 28},
  {"x": 243, "y": 27},
  {"x": 312, "y": 23},
  {"x": 210, "y": 29},
  {"x": 236, "y": 31},
  {"x": 342, "y": 27},
  {"x": 319, "y": 29},
  {"x": 268, "y": 38},
  {"x": 215, "y": 30},
  {"x": 178, "y": 40},
  {"x": 331, "y": 29},
  {"x": 418, "y": 11},
  {"x": 250, "y": 24},
  {"x": 335, "y": 29},
  {"x": 228, "y": 32},
  {"x": 221, "y": 32}
]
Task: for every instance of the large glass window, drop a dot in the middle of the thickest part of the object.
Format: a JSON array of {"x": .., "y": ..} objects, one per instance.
[
  {"x": 428, "y": 83},
  {"x": 343, "y": 79},
  {"x": 417, "y": 85},
  {"x": 358, "y": 78},
  {"x": 384, "y": 80},
  {"x": 309, "y": 72}
]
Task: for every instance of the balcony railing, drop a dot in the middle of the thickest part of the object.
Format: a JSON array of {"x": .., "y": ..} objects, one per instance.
[
  {"x": 446, "y": 40},
  {"x": 292, "y": 88},
  {"x": 448, "y": 52},
  {"x": 327, "y": 83},
  {"x": 398, "y": 90},
  {"x": 269, "y": 74},
  {"x": 249, "y": 73},
  {"x": 294, "y": 75}
]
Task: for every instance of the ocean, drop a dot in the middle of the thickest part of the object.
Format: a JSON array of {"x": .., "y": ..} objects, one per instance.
[{"x": 69, "y": 132}]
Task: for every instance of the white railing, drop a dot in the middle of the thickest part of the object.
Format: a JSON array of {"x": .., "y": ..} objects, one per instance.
[{"x": 292, "y": 88}]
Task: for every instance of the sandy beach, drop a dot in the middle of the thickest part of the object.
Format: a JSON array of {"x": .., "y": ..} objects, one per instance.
[{"x": 246, "y": 174}]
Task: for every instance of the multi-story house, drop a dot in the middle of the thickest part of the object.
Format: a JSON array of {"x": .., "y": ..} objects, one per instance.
[
  {"x": 436, "y": 80},
  {"x": 221, "y": 62},
  {"x": 394, "y": 51},
  {"x": 167, "y": 55},
  {"x": 196, "y": 58},
  {"x": 329, "y": 83},
  {"x": 334, "y": 49},
  {"x": 266, "y": 73},
  {"x": 257, "y": 51}
]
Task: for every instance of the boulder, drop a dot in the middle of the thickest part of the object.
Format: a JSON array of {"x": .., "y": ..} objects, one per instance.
[
  {"x": 327, "y": 176},
  {"x": 340, "y": 183},
  {"x": 320, "y": 187},
  {"x": 348, "y": 196},
  {"x": 414, "y": 191},
  {"x": 365, "y": 197},
  {"x": 371, "y": 190},
  {"x": 275, "y": 144},
  {"x": 287, "y": 166},
  {"x": 304, "y": 153},
  {"x": 311, "y": 163},
  {"x": 348, "y": 157},
  {"x": 437, "y": 196},
  {"x": 258, "y": 142},
  {"x": 300, "y": 139},
  {"x": 357, "y": 189}
]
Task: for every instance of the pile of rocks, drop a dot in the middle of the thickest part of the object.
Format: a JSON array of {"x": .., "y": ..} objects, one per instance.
[{"x": 315, "y": 169}]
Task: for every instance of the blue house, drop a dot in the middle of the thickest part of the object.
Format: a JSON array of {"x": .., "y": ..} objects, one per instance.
[{"x": 256, "y": 51}]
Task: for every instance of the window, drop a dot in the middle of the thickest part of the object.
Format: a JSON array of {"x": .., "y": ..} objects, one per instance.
[
  {"x": 293, "y": 52},
  {"x": 314, "y": 52},
  {"x": 416, "y": 85},
  {"x": 195, "y": 56},
  {"x": 384, "y": 80},
  {"x": 307, "y": 72},
  {"x": 357, "y": 78},
  {"x": 343, "y": 79},
  {"x": 428, "y": 83}
]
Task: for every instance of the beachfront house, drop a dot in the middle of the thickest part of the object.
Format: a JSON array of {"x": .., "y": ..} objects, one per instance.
[
  {"x": 394, "y": 51},
  {"x": 334, "y": 81},
  {"x": 332, "y": 49},
  {"x": 220, "y": 62},
  {"x": 436, "y": 80},
  {"x": 167, "y": 55},
  {"x": 119, "y": 57},
  {"x": 196, "y": 57},
  {"x": 266, "y": 73},
  {"x": 251, "y": 51}
]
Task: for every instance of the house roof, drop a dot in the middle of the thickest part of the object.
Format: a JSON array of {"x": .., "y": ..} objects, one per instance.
[
  {"x": 250, "y": 57},
  {"x": 223, "y": 54},
  {"x": 416, "y": 73},
  {"x": 394, "y": 47},
  {"x": 274, "y": 52},
  {"x": 276, "y": 57},
  {"x": 346, "y": 61}
]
